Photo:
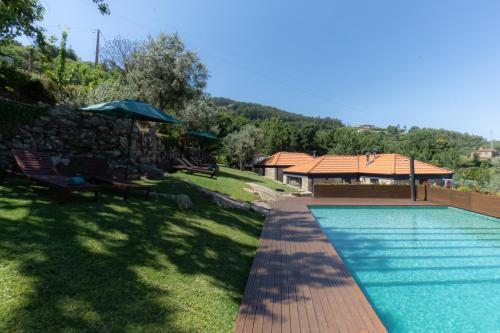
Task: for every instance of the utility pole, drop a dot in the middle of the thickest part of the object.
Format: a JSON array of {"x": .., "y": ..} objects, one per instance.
[{"x": 97, "y": 48}]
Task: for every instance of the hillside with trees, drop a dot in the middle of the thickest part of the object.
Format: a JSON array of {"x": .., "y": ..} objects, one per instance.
[{"x": 254, "y": 112}]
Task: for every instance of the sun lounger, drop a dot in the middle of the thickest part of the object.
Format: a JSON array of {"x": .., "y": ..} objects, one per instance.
[
  {"x": 38, "y": 167},
  {"x": 195, "y": 163},
  {"x": 99, "y": 171},
  {"x": 185, "y": 165}
]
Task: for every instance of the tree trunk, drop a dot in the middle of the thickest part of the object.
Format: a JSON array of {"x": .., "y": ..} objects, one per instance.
[{"x": 241, "y": 165}]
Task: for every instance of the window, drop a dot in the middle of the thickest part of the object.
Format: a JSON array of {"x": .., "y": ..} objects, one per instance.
[
  {"x": 374, "y": 180},
  {"x": 295, "y": 181},
  {"x": 279, "y": 174}
]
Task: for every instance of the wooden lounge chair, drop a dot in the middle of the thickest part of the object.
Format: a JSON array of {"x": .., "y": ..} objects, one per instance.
[
  {"x": 198, "y": 166},
  {"x": 99, "y": 171},
  {"x": 38, "y": 167},
  {"x": 185, "y": 165},
  {"x": 193, "y": 162}
]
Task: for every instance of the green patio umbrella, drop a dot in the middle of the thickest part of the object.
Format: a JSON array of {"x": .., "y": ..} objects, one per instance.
[
  {"x": 203, "y": 134},
  {"x": 134, "y": 110}
]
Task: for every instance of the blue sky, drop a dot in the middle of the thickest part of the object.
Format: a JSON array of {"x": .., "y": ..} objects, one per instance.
[{"x": 426, "y": 63}]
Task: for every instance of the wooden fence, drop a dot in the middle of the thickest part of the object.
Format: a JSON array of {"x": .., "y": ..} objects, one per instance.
[
  {"x": 361, "y": 191},
  {"x": 475, "y": 202}
]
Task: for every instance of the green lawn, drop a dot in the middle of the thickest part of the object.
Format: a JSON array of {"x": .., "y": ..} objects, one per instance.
[
  {"x": 116, "y": 266},
  {"x": 232, "y": 182}
]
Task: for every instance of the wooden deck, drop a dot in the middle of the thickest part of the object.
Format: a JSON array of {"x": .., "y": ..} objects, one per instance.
[{"x": 298, "y": 282}]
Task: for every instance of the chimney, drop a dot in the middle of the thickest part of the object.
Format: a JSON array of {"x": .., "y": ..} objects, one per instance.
[
  {"x": 367, "y": 157},
  {"x": 314, "y": 153},
  {"x": 374, "y": 154}
]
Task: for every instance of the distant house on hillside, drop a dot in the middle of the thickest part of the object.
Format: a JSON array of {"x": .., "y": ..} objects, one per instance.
[
  {"x": 487, "y": 153},
  {"x": 364, "y": 128},
  {"x": 272, "y": 167},
  {"x": 369, "y": 169}
]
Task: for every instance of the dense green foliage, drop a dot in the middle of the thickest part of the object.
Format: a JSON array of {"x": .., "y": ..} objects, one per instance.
[
  {"x": 25, "y": 87},
  {"x": 253, "y": 111},
  {"x": 242, "y": 146},
  {"x": 20, "y": 18},
  {"x": 121, "y": 266},
  {"x": 165, "y": 74}
]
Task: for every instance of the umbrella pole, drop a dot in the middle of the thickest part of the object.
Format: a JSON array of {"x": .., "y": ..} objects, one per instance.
[{"x": 129, "y": 146}]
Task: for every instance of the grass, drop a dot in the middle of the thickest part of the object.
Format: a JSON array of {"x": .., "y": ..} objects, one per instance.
[
  {"x": 116, "y": 266},
  {"x": 232, "y": 182}
]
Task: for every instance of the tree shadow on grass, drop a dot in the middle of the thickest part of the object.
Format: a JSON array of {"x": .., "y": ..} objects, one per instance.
[{"x": 108, "y": 266}]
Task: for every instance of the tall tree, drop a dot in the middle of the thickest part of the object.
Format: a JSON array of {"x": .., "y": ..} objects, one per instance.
[
  {"x": 200, "y": 114},
  {"x": 119, "y": 52},
  {"x": 243, "y": 145},
  {"x": 61, "y": 61},
  {"x": 276, "y": 135},
  {"x": 20, "y": 17},
  {"x": 102, "y": 6},
  {"x": 166, "y": 75}
]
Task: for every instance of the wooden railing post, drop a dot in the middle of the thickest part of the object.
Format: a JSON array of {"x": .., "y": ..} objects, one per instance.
[{"x": 412, "y": 179}]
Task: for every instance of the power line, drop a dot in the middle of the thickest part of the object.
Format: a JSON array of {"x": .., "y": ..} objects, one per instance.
[
  {"x": 267, "y": 76},
  {"x": 70, "y": 28},
  {"x": 260, "y": 74}
]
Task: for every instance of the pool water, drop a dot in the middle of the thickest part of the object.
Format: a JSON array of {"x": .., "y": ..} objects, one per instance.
[{"x": 423, "y": 269}]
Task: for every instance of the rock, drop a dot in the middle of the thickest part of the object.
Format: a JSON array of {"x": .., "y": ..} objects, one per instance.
[
  {"x": 42, "y": 104},
  {"x": 183, "y": 202},
  {"x": 266, "y": 194},
  {"x": 115, "y": 153},
  {"x": 152, "y": 172},
  {"x": 123, "y": 144},
  {"x": 68, "y": 123},
  {"x": 56, "y": 159},
  {"x": 20, "y": 145},
  {"x": 260, "y": 207}
]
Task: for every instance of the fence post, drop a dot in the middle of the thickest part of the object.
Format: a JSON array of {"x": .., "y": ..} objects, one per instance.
[{"x": 412, "y": 179}]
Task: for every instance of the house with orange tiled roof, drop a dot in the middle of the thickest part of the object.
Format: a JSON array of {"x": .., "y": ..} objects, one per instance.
[
  {"x": 365, "y": 169},
  {"x": 486, "y": 153},
  {"x": 272, "y": 166}
]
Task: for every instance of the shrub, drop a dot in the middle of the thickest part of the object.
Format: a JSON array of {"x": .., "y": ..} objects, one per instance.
[{"x": 24, "y": 87}]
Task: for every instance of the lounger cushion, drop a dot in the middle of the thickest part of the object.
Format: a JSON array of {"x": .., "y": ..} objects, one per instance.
[{"x": 73, "y": 181}]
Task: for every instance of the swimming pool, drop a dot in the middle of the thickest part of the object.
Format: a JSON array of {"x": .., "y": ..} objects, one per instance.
[{"x": 423, "y": 269}]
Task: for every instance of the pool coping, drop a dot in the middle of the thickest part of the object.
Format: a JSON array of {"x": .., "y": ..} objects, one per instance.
[{"x": 298, "y": 282}]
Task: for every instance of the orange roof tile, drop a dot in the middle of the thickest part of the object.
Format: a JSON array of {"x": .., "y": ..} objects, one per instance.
[
  {"x": 327, "y": 164},
  {"x": 287, "y": 159},
  {"x": 384, "y": 164}
]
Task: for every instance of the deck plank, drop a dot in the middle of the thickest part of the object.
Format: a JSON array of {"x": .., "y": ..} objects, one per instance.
[{"x": 298, "y": 283}]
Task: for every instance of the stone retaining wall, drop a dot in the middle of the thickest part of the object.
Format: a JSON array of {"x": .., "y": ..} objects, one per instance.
[{"x": 71, "y": 134}]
